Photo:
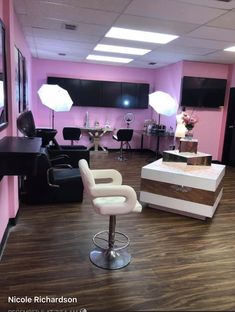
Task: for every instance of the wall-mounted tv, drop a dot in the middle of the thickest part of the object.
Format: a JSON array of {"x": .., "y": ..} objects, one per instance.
[
  {"x": 202, "y": 92},
  {"x": 99, "y": 93}
]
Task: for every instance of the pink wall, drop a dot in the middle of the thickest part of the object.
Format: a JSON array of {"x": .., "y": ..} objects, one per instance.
[
  {"x": 22, "y": 45},
  {"x": 4, "y": 214},
  {"x": 76, "y": 116},
  {"x": 4, "y": 187},
  {"x": 167, "y": 79},
  {"x": 9, "y": 185},
  {"x": 211, "y": 121},
  {"x": 232, "y": 76}
]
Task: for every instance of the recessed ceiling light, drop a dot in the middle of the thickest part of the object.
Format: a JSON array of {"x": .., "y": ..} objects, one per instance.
[
  {"x": 139, "y": 35},
  {"x": 120, "y": 49},
  {"x": 108, "y": 58},
  {"x": 230, "y": 49}
]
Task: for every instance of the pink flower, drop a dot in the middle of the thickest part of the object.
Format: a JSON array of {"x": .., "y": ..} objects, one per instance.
[{"x": 189, "y": 120}]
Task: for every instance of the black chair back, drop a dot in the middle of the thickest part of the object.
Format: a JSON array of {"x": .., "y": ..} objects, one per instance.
[
  {"x": 125, "y": 135},
  {"x": 71, "y": 133},
  {"x": 26, "y": 125}
]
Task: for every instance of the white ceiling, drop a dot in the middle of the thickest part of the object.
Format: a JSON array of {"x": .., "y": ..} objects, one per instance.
[{"x": 204, "y": 27}]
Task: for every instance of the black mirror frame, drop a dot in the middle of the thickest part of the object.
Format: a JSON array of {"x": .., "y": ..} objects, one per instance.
[{"x": 4, "y": 123}]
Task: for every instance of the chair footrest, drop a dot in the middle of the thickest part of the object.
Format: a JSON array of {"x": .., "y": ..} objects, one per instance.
[{"x": 101, "y": 240}]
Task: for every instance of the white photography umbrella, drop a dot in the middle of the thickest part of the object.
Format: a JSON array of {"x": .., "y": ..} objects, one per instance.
[
  {"x": 162, "y": 103},
  {"x": 56, "y": 98}
]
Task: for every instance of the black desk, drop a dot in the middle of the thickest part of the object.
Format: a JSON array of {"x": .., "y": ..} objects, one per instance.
[{"x": 18, "y": 156}]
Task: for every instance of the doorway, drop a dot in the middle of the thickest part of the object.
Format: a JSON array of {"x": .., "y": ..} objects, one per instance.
[{"x": 228, "y": 157}]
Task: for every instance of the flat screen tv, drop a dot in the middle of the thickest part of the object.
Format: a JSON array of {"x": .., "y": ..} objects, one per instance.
[
  {"x": 202, "y": 92},
  {"x": 98, "y": 93}
]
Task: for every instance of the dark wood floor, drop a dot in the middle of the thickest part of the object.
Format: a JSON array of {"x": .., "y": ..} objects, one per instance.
[{"x": 179, "y": 263}]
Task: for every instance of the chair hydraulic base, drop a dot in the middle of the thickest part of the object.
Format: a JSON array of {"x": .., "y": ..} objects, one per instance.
[
  {"x": 110, "y": 259},
  {"x": 111, "y": 252},
  {"x": 122, "y": 158}
]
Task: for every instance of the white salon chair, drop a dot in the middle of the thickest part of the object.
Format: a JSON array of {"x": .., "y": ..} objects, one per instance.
[{"x": 111, "y": 198}]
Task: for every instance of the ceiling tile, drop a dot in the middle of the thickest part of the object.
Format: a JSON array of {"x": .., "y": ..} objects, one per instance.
[
  {"x": 205, "y": 28},
  {"x": 106, "y": 5},
  {"x": 186, "y": 50},
  {"x": 225, "y": 21},
  {"x": 57, "y": 25},
  {"x": 158, "y": 56},
  {"x": 213, "y": 33},
  {"x": 20, "y": 7},
  {"x": 66, "y": 12},
  {"x": 173, "y": 10},
  {"x": 211, "y": 3},
  {"x": 219, "y": 57},
  {"x": 203, "y": 43},
  {"x": 154, "y": 24}
]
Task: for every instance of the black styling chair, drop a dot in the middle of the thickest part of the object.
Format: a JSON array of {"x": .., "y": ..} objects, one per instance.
[
  {"x": 26, "y": 125},
  {"x": 53, "y": 184},
  {"x": 73, "y": 134},
  {"x": 124, "y": 136}
]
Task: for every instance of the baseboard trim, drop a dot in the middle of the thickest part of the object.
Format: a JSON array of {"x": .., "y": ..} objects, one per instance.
[
  {"x": 11, "y": 222},
  {"x": 4, "y": 240},
  {"x": 144, "y": 150}
]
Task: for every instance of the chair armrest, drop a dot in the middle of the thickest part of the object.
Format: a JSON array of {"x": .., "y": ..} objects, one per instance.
[
  {"x": 112, "y": 174},
  {"x": 63, "y": 166},
  {"x": 56, "y": 160},
  {"x": 50, "y": 176},
  {"x": 117, "y": 191},
  {"x": 61, "y": 156},
  {"x": 51, "y": 184},
  {"x": 104, "y": 190}
]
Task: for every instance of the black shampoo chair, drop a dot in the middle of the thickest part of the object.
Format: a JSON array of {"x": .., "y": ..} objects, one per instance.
[
  {"x": 124, "y": 136},
  {"x": 26, "y": 125}
]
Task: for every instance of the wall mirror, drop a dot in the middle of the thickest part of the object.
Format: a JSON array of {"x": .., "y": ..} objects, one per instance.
[{"x": 3, "y": 79}]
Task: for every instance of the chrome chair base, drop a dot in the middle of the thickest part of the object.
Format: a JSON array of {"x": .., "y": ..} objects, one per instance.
[
  {"x": 122, "y": 158},
  {"x": 110, "y": 259},
  {"x": 111, "y": 248}
]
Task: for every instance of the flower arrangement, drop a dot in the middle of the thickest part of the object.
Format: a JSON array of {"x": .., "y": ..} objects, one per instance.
[{"x": 189, "y": 120}]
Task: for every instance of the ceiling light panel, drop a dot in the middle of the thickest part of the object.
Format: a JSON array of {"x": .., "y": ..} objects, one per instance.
[
  {"x": 138, "y": 35},
  {"x": 120, "y": 49},
  {"x": 103, "y": 58},
  {"x": 230, "y": 49}
]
